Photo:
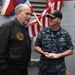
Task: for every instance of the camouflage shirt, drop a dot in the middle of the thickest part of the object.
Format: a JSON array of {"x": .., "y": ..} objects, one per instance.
[{"x": 51, "y": 43}]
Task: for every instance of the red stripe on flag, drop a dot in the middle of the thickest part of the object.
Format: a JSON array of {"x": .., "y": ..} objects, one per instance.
[
  {"x": 55, "y": 6},
  {"x": 43, "y": 21},
  {"x": 15, "y": 2},
  {"x": 38, "y": 27},
  {"x": 10, "y": 7},
  {"x": 33, "y": 31},
  {"x": 59, "y": 0},
  {"x": 61, "y": 5},
  {"x": 32, "y": 10}
]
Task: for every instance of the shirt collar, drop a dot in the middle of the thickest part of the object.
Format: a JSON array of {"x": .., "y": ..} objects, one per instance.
[{"x": 23, "y": 24}]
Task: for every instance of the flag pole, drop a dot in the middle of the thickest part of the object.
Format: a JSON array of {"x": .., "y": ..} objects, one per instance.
[
  {"x": 37, "y": 19},
  {"x": 28, "y": 3}
]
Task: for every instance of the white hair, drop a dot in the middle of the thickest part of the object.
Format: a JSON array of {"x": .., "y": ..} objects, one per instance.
[{"x": 20, "y": 7}]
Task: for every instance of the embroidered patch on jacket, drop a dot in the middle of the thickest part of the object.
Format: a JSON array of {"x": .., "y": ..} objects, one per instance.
[{"x": 19, "y": 36}]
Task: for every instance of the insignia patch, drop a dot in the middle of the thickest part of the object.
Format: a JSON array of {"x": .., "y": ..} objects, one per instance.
[
  {"x": 19, "y": 36},
  {"x": 61, "y": 39},
  {"x": 46, "y": 38}
]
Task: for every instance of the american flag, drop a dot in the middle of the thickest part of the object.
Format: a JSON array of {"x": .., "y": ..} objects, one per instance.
[{"x": 34, "y": 27}]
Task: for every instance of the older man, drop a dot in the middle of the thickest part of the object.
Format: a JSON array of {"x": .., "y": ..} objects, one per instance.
[{"x": 15, "y": 43}]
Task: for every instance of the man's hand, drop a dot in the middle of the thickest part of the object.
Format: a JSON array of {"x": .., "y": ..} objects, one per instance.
[{"x": 52, "y": 55}]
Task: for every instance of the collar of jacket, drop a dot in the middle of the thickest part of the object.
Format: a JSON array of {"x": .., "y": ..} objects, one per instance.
[{"x": 19, "y": 24}]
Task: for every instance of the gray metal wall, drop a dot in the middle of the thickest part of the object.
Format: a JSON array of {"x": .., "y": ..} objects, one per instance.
[{"x": 68, "y": 23}]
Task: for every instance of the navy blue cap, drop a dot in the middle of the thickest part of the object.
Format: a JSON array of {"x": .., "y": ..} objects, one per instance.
[{"x": 54, "y": 14}]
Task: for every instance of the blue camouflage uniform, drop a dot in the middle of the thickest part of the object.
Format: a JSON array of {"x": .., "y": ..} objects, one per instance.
[{"x": 51, "y": 43}]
